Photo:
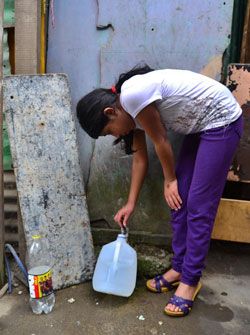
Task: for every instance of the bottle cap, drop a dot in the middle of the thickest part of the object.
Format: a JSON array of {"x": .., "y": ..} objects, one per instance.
[
  {"x": 36, "y": 237},
  {"x": 124, "y": 232}
]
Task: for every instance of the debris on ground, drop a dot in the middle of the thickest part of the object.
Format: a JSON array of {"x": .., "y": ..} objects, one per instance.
[
  {"x": 141, "y": 317},
  {"x": 71, "y": 300}
]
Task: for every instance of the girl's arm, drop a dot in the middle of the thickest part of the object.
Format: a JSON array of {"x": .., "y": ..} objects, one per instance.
[
  {"x": 138, "y": 173},
  {"x": 139, "y": 165},
  {"x": 149, "y": 119}
]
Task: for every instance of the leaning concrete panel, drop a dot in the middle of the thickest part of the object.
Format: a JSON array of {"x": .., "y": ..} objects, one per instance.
[{"x": 46, "y": 164}]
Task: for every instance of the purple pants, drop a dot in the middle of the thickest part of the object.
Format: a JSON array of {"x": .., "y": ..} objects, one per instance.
[{"x": 201, "y": 172}]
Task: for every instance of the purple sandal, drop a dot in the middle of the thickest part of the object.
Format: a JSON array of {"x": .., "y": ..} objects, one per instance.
[
  {"x": 185, "y": 305},
  {"x": 162, "y": 285}
]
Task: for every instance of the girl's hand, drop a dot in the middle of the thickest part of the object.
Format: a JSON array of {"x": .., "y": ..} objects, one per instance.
[
  {"x": 123, "y": 214},
  {"x": 172, "y": 195}
]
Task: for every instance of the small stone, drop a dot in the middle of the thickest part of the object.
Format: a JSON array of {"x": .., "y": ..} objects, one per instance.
[
  {"x": 20, "y": 292},
  {"x": 162, "y": 253},
  {"x": 141, "y": 318},
  {"x": 97, "y": 303},
  {"x": 224, "y": 293},
  {"x": 71, "y": 300},
  {"x": 51, "y": 325},
  {"x": 160, "y": 323},
  {"x": 15, "y": 284},
  {"x": 78, "y": 323}
]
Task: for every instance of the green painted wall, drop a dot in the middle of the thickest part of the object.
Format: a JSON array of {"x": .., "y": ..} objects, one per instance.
[
  {"x": 9, "y": 12},
  {"x": 9, "y": 21}
]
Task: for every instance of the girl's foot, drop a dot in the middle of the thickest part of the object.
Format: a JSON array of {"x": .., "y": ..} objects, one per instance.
[
  {"x": 171, "y": 276},
  {"x": 164, "y": 283},
  {"x": 184, "y": 291}
]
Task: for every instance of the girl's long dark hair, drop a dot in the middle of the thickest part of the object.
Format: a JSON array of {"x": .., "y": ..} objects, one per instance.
[{"x": 90, "y": 108}]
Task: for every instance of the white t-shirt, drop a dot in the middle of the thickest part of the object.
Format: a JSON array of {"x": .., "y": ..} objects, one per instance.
[{"x": 188, "y": 102}]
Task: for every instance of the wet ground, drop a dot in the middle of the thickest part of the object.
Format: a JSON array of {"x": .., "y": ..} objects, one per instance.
[{"x": 222, "y": 307}]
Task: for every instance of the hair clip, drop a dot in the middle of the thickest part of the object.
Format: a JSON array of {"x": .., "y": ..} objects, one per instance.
[{"x": 113, "y": 89}]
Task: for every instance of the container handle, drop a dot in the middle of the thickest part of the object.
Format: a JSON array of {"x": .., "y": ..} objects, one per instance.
[{"x": 113, "y": 269}]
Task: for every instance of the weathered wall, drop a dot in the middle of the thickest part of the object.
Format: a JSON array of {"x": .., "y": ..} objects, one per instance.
[{"x": 174, "y": 34}]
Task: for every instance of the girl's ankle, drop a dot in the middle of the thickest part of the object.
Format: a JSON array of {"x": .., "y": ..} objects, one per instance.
[{"x": 173, "y": 273}]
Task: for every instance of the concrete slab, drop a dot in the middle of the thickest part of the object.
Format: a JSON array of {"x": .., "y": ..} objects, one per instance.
[
  {"x": 46, "y": 163},
  {"x": 222, "y": 307}
]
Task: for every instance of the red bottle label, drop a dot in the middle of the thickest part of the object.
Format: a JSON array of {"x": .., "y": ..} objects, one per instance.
[{"x": 40, "y": 285}]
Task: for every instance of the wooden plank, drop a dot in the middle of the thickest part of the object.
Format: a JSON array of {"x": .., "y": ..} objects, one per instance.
[
  {"x": 27, "y": 36},
  {"x": 232, "y": 221},
  {"x": 1, "y": 152},
  {"x": 48, "y": 175},
  {"x": 43, "y": 35},
  {"x": 245, "y": 46},
  {"x": 11, "y": 237},
  {"x": 238, "y": 82}
]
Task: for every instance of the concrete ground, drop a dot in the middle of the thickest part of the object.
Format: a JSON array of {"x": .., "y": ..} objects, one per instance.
[{"x": 222, "y": 307}]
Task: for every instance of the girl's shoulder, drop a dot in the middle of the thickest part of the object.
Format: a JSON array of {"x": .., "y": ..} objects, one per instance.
[
  {"x": 139, "y": 91},
  {"x": 144, "y": 80}
]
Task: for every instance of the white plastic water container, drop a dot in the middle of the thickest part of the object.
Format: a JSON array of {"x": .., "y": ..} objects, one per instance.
[{"x": 116, "y": 268}]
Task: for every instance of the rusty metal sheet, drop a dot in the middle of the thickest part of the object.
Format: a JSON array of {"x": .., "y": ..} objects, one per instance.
[
  {"x": 238, "y": 82},
  {"x": 48, "y": 176}
]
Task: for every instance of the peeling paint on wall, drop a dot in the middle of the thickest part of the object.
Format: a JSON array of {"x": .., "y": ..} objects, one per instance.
[
  {"x": 239, "y": 83},
  {"x": 213, "y": 68}
]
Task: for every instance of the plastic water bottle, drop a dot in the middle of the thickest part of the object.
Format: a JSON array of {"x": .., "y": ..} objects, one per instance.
[
  {"x": 38, "y": 261},
  {"x": 116, "y": 268}
]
